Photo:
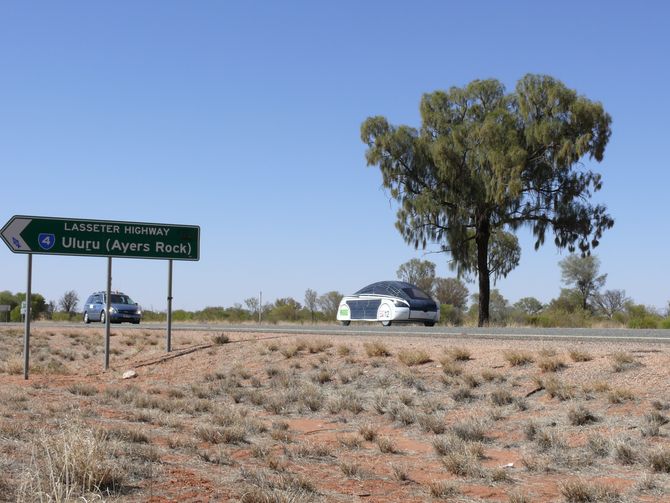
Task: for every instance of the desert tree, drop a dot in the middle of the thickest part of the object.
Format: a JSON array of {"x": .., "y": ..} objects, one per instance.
[
  {"x": 611, "y": 302},
  {"x": 487, "y": 161},
  {"x": 311, "y": 298},
  {"x": 253, "y": 305},
  {"x": 451, "y": 291},
  {"x": 582, "y": 274},
  {"x": 328, "y": 304},
  {"x": 286, "y": 308},
  {"x": 529, "y": 305},
  {"x": 418, "y": 272},
  {"x": 68, "y": 302},
  {"x": 500, "y": 308}
]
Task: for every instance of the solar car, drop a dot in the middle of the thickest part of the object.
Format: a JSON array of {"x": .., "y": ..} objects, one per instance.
[{"x": 389, "y": 302}]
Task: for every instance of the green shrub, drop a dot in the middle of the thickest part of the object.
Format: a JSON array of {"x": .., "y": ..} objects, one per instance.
[
  {"x": 561, "y": 318},
  {"x": 450, "y": 315},
  {"x": 665, "y": 323},
  {"x": 648, "y": 321}
]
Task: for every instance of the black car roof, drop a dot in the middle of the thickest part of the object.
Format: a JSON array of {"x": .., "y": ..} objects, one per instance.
[{"x": 394, "y": 288}]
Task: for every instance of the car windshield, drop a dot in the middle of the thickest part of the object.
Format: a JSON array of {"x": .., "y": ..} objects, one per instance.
[
  {"x": 416, "y": 294},
  {"x": 121, "y": 299},
  {"x": 395, "y": 289}
]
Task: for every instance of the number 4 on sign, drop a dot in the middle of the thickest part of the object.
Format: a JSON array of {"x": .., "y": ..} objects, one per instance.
[{"x": 46, "y": 241}]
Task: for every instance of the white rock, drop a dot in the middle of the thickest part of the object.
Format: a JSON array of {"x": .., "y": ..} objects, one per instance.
[{"x": 129, "y": 374}]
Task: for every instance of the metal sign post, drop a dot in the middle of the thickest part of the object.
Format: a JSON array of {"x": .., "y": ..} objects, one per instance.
[
  {"x": 26, "y": 335},
  {"x": 100, "y": 238},
  {"x": 108, "y": 305},
  {"x": 168, "y": 342}
]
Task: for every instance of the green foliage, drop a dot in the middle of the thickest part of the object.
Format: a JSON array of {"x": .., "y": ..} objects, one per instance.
[
  {"x": 639, "y": 316},
  {"x": 569, "y": 301},
  {"x": 7, "y": 298},
  {"x": 499, "y": 307},
  {"x": 450, "y": 315},
  {"x": 554, "y": 317},
  {"x": 155, "y": 316},
  {"x": 451, "y": 291},
  {"x": 582, "y": 272},
  {"x": 38, "y": 306},
  {"x": 61, "y": 316},
  {"x": 418, "y": 272},
  {"x": 529, "y": 305},
  {"x": 485, "y": 161},
  {"x": 285, "y": 309},
  {"x": 328, "y": 303},
  {"x": 665, "y": 323}
]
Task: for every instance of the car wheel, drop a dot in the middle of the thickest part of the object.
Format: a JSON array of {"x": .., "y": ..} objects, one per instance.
[
  {"x": 102, "y": 317},
  {"x": 136, "y": 322},
  {"x": 429, "y": 323},
  {"x": 386, "y": 323},
  {"x": 86, "y": 318},
  {"x": 345, "y": 323}
]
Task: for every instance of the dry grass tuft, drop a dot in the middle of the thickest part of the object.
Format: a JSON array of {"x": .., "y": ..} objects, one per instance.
[
  {"x": 221, "y": 338},
  {"x": 459, "y": 354},
  {"x": 620, "y": 395},
  {"x": 376, "y": 348},
  {"x": 13, "y": 366},
  {"x": 411, "y": 357},
  {"x": 622, "y": 361},
  {"x": 82, "y": 389},
  {"x": 577, "y": 355},
  {"x": 558, "y": 389},
  {"x": 71, "y": 463},
  {"x": 387, "y": 445},
  {"x": 518, "y": 358},
  {"x": 450, "y": 367},
  {"x": 501, "y": 397},
  {"x": 442, "y": 489},
  {"x": 550, "y": 364},
  {"x": 580, "y": 415},
  {"x": 368, "y": 432},
  {"x": 659, "y": 460},
  {"x": 351, "y": 470},
  {"x": 580, "y": 491}
]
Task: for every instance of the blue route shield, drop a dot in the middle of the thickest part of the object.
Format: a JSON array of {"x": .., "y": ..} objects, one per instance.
[{"x": 46, "y": 241}]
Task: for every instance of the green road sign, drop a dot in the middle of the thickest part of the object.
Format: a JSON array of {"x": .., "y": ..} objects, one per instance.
[{"x": 101, "y": 238}]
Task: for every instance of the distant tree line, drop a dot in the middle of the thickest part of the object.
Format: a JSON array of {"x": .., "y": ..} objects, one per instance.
[{"x": 583, "y": 302}]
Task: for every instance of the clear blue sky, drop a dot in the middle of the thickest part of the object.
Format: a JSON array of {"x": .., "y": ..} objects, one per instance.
[{"x": 243, "y": 118}]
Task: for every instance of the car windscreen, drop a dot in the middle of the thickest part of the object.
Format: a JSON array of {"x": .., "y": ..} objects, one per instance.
[
  {"x": 416, "y": 294},
  {"x": 121, "y": 299}
]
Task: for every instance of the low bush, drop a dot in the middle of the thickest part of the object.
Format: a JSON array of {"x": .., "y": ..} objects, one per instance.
[
  {"x": 659, "y": 460},
  {"x": 442, "y": 489},
  {"x": 580, "y": 356},
  {"x": 580, "y": 491},
  {"x": 376, "y": 348},
  {"x": 411, "y": 357},
  {"x": 518, "y": 358},
  {"x": 580, "y": 415}
]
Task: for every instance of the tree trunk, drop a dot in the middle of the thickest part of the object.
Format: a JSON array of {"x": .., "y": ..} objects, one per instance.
[{"x": 482, "y": 240}]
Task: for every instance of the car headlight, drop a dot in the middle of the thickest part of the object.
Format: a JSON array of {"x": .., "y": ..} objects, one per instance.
[
  {"x": 400, "y": 303},
  {"x": 139, "y": 311},
  {"x": 112, "y": 310}
]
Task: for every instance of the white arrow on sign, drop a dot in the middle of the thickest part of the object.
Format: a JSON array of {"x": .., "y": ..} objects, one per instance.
[{"x": 12, "y": 234}]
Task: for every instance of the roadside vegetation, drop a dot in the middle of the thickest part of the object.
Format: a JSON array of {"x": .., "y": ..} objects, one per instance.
[
  {"x": 584, "y": 303},
  {"x": 286, "y": 418}
]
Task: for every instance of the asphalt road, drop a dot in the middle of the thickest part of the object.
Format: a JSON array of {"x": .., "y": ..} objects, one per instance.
[{"x": 586, "y": 334}]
